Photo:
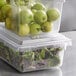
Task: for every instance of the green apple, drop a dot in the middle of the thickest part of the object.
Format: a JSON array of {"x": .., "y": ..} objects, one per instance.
[
  {"x": 38, "y": 6},
  {"x": 1, "y": 17},
  {"x": 13, "y": 15},
  {"x": 35, "y": 28},
  {"x": 26, "y": 16},
  {"x": 10, "y": 13},
  {"x": 14, "y": 25},
  {"x": 2, "y": 3},
  {"x": 19, "y": 2},
  {"x": 47, "y": 26},
  {"x": 40, "y": 16},
  {"x": 8, "y": 23},
  {"x": 33, "y": 11},
  {"x": 53, "y": 14},
  {"x": 8, "y": 1},
  {"x": 23, "y": 2},
  {"x": 5, "y": 10},
  {"x": 23, "y": 30},
  {"x": 27, "y": 2}
]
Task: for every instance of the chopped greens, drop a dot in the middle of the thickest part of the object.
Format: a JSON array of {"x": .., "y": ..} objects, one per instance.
[{"x": 35, "y": 58}]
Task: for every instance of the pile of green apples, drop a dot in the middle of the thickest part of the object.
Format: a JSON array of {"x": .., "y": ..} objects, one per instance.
[
  {"x": 37, "y": 19},
  {"x": 29, "y": 18},
  {"x": 4, "y": 9}
]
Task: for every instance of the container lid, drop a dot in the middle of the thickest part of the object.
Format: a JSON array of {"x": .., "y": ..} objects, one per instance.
[
  {"x": 28, "y": 40},
  {"x": 47, "y": 0},
  {"x": 58, "y": 0},
  {"x": 57, "y": 39}
]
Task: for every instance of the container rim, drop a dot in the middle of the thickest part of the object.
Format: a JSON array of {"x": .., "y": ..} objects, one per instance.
[
  {"x": 51, "y": 0},
  {"x": 61, "y": 0},
  {"x": 14, "y": 45},
  {"x": 27, "y": 40},
  {"x": 58, "y": 0}
]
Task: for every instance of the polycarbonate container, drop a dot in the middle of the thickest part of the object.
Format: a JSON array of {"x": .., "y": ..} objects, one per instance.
[
  {"x": 23, "y": 40},
  {"x": 34, "y": 56},
  {"x": 34, "y": 17}
]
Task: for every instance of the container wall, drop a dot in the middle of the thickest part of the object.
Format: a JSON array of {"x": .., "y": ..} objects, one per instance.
[
  {"x": 33, "y": 58},
  {"x": 34, "y": 17},
  {"x": 58, "y": 4}
]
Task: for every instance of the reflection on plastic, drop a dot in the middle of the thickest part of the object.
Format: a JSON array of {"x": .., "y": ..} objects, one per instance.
[
  {"x": 50, "y": 72},
  {"x": 2, "y": 24}
]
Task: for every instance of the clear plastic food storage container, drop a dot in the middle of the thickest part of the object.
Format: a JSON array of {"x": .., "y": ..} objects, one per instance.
[
  {"x": 34, "y": 56},
  {"x": 34, "y": 17}
]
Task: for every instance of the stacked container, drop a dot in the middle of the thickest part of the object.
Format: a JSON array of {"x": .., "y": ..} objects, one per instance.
[
  {"x": 34, "y": 17},
  {"x": 34, "y": 55},
  {"x": 29, "y": 40}
]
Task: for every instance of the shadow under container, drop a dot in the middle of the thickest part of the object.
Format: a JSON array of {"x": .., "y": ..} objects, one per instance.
[
  {"x": 34, "y": 56},
  {"x": 34, "y": 17}
]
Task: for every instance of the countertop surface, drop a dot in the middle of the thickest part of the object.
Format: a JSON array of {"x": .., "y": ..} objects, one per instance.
[{"x": 68, "y": 68}]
